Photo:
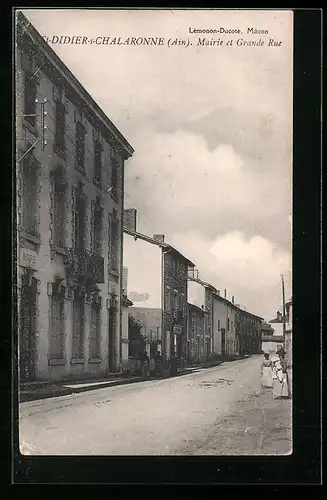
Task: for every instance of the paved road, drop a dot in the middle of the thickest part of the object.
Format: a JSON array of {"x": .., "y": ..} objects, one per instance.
[{"x": 219, "y": 410}]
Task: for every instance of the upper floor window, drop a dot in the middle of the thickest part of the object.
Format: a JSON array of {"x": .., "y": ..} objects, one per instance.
[
  {"x": 60, "y": 125},
  {"x": 174, "y": 265},
  {"x": 97, "y": 162},
  {"x": 79, "y": 221},
  {"x": 30, "y": 95},
  {"x": 80, "y": 146},
  {"x": 97, "y": 228},
  {"x": 29, "y": 194},
  {"x": 114, "y": 177},
  {"x": 59, "y": 208},
  {"x": 113, "y": 240}
]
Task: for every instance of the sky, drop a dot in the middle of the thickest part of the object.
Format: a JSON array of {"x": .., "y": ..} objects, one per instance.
[{"x": 211, "y": 127}]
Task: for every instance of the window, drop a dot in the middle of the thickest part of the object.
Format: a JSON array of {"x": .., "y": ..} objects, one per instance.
[
  {"x": 59, "y": 200},
  {"x": 228, "y": 323},
  {"x": 193, "y": 325},
  {"x": 174, "y": 267},
  {"x": 113, "y": 241},
  {"x": 218, "y": 324},
  {"x": 80, "y": 146},
  {"x": 95, "y": 348},
  {"x": 57, "y": 339},
  {"x": 114, "y": 177},
  {"x": 97, "y": 230},
  {"x": 168, "y": 300},
  {"x": 78, "y": 328},
  {"x": 79, "y": 223},
  {"x": 175, "y": 301},
  {"x": 29, "y": 194},
  {"x": 30, "y": 94},
  {"x": 97, "y": 162},
  {"x": 60, "y": 125}
]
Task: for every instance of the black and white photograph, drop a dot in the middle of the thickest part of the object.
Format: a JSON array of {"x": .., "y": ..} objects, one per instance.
[{"x": 154, "y": 160}]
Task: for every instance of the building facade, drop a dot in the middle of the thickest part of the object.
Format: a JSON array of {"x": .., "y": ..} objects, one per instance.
[
  {"x": 70, "y": 186},
  {"x": 198, "y": 345},
  {"x": 157, "y": 286}
]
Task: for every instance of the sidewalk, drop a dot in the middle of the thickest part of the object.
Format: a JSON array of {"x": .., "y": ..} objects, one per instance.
[
  {"x": 257, "y": 425},
  {"x": 40, "y": 390}
]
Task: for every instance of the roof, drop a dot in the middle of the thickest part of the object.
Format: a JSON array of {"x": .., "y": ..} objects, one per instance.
[
  {"x": 26, "y": 35},
  {"x": 162, "y": 245},
  {"x": 196, "y": 308},
  {"x": 266, "y": 326},
  {"x": 273, "y": 338}
]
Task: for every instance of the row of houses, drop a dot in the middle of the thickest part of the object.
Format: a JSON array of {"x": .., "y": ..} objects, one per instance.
[
  {"x": 82, "y": 268},
  {"x": 180, "y": 314}
]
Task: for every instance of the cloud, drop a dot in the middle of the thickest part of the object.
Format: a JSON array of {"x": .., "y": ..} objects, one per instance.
[
  {"x": 177, "y": 184},
  {"x": 249, "y": 269}
]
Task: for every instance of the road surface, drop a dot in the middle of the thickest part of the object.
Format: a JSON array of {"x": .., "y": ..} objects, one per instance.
[{"x": 215, "y": 411}]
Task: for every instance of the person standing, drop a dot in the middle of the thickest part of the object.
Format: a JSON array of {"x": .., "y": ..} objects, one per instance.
[
  {"x": 158, "y": 366},
  {"x": 280, "y": 377},
  {"x": 266, "y": 372},
  {"x": 145, "y": 365}
]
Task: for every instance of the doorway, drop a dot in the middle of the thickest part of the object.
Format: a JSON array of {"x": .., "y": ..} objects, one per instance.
[
  {"x": 27, "y": 330},
  {"x": 223, "y": 342},
  {"x": 112, "y": 340}
]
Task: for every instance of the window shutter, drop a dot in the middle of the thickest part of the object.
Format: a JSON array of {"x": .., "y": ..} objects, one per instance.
[
  {"x": 55, "y": 93},
  {"x": 27, "y": 62}
]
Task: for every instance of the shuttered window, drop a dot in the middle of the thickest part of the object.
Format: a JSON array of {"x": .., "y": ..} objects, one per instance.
[
  {"x": 57, "y": 339},
  {"x": 95, "y": 348},
  {"x": 29, "y": 194}
]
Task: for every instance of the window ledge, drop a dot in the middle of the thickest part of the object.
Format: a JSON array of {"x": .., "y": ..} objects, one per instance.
[
  {"x": 77, "y": 361},
  {"x": 35, "y": 238},
  {"x": 114, "y": 272},
  {"x": 56, "y": 361},
  {"x": 97, "y": 182},
  {"x": 80, "y": 169},
  {"x": 58, "y": 249},
  {"x": 114, "y": 196},
  {"x": 94, "y": 360},
  {"x": 59, "y": 151},
  {"x": 30, "y": 127}
]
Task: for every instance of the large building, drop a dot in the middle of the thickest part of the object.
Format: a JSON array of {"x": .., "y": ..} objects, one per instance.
[
  {"x": 157, "y": 286},
  {"x": 70, "y": 187}
]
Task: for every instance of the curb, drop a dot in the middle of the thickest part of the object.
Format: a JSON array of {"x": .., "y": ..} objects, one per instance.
[{"x": 65, "y": 391}]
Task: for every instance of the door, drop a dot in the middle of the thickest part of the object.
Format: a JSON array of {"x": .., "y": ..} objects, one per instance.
[
  {"x": 27, "y": 331},
  {"x": 112, "y": 340},
  {"x": 223, "y": 342}
]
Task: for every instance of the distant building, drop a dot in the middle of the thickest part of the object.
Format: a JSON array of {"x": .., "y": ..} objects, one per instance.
[
  {"x": 157, "y": 286},
  {"x": 69, "y": 215}
]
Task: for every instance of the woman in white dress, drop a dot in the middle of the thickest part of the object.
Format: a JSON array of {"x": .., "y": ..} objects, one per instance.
[
  {"x": 281, "y": 388},
  {"x": 266, "y": 372}
]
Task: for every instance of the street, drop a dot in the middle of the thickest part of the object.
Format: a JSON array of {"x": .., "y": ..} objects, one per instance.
[{"x": 214, "y": 411}]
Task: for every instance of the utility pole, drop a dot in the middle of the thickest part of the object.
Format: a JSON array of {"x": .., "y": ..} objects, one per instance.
[{"x": 284, "y": 311}]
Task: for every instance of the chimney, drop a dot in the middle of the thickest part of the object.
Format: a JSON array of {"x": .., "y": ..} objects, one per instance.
[
  {"x": 233, "y": 299},
  {"x": 225, "y": 293},
  {"x": 159, "y": 237},
  {"x": 130, "y": 219},
  {"x": 218, "y": 292}
]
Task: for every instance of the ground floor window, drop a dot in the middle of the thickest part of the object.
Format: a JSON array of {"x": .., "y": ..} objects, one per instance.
[
  {"x": 95, "y": 347},
  {"x": 57, "y": 328},
  {"x": 78, "y": 328}
]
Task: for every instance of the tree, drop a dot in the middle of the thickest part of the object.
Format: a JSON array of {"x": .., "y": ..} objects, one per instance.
[{"x": 135, "y": 337}]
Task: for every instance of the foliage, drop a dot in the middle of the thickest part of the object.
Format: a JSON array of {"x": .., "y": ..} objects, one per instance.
[{"x": 135, "y": 337}]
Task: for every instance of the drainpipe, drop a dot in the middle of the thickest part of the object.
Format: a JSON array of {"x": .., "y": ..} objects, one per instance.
[
  {"x": 163, "y": 331},
  {"x": 121, "y": 270}
]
